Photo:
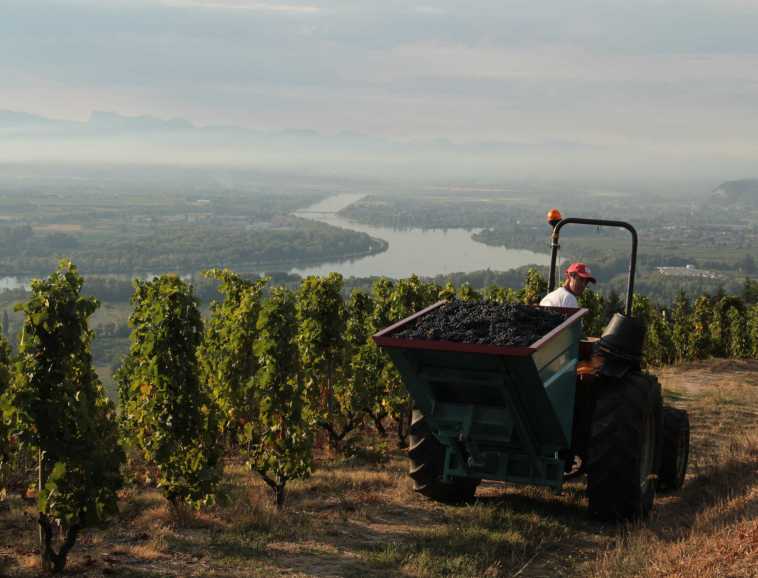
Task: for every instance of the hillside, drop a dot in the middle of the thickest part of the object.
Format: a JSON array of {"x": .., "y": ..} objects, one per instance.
[
  {"x": 360, "y": 518},
  {"x": 741, "y": 192}
]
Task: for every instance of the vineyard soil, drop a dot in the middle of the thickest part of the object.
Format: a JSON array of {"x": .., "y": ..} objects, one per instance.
[{"x": 361, "y": 518}]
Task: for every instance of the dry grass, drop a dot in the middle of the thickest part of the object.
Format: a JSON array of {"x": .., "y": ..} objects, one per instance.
[
  {"x": 361, "y": 518},
  {"x": 709, "y": 528}
]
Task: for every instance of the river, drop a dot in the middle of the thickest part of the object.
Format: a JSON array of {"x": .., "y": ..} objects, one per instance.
[{"x": 425, "y": 252}]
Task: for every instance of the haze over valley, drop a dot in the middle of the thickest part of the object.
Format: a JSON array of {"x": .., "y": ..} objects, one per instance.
[{"x": 646, "y": 96}]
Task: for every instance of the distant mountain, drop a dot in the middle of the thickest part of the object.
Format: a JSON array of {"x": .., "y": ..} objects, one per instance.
[
  {"x": 109, "y": 136},
  {"x": 741, "y": 192},
  {"x": 110, "y": 125},
  {"x": 99, "y": 122},
  {"x": 109, "y": 121},
  {"x": 11, "y": 119}
]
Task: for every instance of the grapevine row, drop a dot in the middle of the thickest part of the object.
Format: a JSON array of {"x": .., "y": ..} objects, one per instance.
[{"x": 270, "y": 375}]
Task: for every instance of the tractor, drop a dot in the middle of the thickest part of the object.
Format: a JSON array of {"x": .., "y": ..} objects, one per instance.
[{"x": 561, "y": 408}]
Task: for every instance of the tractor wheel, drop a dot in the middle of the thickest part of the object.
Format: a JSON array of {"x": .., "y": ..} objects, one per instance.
[
  {"x": 427, "y": 457},
  {"x": 625, "y": 447},
  {"x": 676, "y": 449}
]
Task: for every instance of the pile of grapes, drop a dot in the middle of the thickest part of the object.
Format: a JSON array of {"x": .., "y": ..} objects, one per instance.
[{"x": 484, "y": 322}]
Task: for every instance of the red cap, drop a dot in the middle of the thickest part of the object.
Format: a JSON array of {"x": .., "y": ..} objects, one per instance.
[{"x": 581, "y": 270}]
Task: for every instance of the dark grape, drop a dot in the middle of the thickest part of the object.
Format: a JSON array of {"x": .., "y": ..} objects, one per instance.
[{"x": 484, "y": 322}]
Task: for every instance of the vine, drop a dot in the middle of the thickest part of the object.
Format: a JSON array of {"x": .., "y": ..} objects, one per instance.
[
  {"x": 226, "y": 358},
  {"x": 321, "y": 317},
  {"x": 167, "y": 415},
  {"x": 279, "y": 439},
  {"x": 57, "y": 405}
]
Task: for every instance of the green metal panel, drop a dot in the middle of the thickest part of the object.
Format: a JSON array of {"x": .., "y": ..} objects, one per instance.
[{"x": 556, "y": 366}]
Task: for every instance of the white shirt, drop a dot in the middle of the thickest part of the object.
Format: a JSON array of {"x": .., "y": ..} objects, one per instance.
[{"x": 561, "y": 297}]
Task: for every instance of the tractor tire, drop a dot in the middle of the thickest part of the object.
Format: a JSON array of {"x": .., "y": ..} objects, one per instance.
[
  {"x": 427, "y": 462},
  {"x": 625, "y": 445},
  {"x": 676, "y": 449}
]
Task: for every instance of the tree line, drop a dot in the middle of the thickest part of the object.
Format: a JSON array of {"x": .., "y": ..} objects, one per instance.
[
  {"x": 175, "y": 246},
  {"x": 271, "y": 375}
]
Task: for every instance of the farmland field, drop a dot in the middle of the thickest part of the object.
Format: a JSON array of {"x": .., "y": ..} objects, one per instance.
[{"x": 359, "y": 516}]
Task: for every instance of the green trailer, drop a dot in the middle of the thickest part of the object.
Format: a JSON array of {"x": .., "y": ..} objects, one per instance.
[
  {"x": 525, "y": 415},
  {"x": 502, "y": 413}
]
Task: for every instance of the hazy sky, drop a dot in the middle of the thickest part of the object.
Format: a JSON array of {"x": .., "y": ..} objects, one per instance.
[{"x": 664, "y": 82}]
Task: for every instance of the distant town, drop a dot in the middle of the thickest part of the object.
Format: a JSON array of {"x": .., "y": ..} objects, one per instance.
[{"x": 690, "y": 271}]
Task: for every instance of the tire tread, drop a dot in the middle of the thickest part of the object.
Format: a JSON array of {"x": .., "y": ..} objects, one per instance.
[{"x": 614, "y": 456}]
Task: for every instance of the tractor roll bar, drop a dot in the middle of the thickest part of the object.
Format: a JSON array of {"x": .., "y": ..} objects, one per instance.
[{"x": 602, "y": 223}]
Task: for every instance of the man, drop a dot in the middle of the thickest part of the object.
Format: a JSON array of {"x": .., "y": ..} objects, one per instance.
[{"x": 577, "y": 277}]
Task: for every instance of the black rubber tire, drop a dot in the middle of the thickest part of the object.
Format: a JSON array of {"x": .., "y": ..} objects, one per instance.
[
  {"x": 676, "y": 449},
  {"x": 427, "y": 456},
  {"x": 625, "y": 445}
]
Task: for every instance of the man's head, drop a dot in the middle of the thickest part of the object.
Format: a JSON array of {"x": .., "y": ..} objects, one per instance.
[{"x": 577, "y": 277}]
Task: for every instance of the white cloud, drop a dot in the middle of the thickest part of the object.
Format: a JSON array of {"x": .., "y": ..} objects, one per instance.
[
  {"x": 274, "y": 7},
  {"x": 429, "y": 9},
  {"x": 557, "y": 63}
]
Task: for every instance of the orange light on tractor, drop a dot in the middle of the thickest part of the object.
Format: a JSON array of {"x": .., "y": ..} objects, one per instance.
[{"x": 553, "y": 216}]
